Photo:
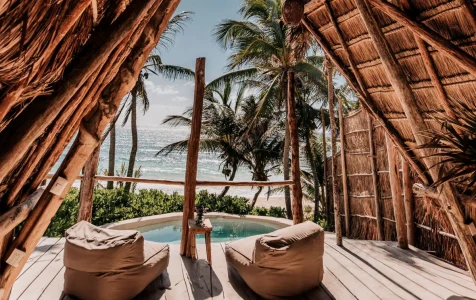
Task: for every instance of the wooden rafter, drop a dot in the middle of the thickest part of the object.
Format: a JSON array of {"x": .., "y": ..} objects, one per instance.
[
  {"x": 399, "y": 82},
  {"x": 367, "y": 102},
  {"x": 465, "y": 60}
]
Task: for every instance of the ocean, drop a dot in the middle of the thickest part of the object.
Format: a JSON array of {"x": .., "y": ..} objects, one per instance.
[{"x": 171, "y": 167}]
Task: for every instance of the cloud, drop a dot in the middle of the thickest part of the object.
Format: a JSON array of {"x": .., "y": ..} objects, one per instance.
[
  {"x": 180, "y": 99},
  {"x": 159, "y": 89}
]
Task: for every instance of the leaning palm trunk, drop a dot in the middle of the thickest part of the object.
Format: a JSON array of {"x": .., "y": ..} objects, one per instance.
[
  {"x": 232, "y": 177},
  {"x": 132, "y": 157},
  {"x": 287, "y": 140},
  {"x": 255, "y": 197},
  {"x": 112, "y": 155}
]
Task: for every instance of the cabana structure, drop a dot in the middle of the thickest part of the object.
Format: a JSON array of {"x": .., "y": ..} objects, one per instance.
[{"x": 66, "y": 65}]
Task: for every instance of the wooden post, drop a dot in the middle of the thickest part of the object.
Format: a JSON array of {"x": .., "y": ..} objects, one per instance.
[
  {"x": 330, "y": 88},
  {"x": 86, "y": 191},
  {"x": 192, "y": 154},
  {"x": 324, "y": 149},
  {"x": 373, "y": 166},
  {"x": 344, "y": 169},
  {"x": 452, "y": 51},
  {"x": 409, "y": 202},
  {"x": 449, "y": 200},
  {"x": 397, "y": 200},
  {"x": 298, "y": 215}
]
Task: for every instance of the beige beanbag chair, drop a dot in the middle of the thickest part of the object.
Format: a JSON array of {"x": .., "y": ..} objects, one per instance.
[
  {"x": 284, "y": 263},
  {"x": 110, "y": 264}
]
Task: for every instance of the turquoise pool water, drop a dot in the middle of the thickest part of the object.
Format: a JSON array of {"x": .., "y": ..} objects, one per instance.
[{"x": 224, "y": 230}]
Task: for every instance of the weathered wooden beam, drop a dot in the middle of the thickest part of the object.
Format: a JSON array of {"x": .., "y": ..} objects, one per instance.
[
  {"x": 298, "y": 215},
  {"x": 324, "y": 150},
  {"x": 397, "y": 200},
  {"x": 375, "y": 185},
  {"x": 367, "y": 102},
  {"x": 399, "y": 82},
  {"x": 192, "y": 154},
  {"x": 150, "y": 19},
  {"x": 345, "y": 186},
  {"x": 86, "y": 191},
  {"x": 335, "y": 195},
  {"x": 17, "y": 214},
  {"x": 465, "y": 60},
  {"x": 293, "y": 11},
  {"x": 409, "y": 203}
]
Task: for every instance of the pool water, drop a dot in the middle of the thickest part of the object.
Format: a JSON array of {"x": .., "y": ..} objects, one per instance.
[{"x": 224, "y": 230}]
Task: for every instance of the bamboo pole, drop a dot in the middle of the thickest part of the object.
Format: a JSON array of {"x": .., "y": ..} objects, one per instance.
[
  {"x": 409, "y": 202},
  {"x": 192, "y": 154},
  {"x": 90, "y": 132},
  {"x": 345, "y": 187},
  {"x": 449, "y": 200},
  {"x": 86, "y": 191},
  {"x": 335, "y": 195},
  {"x": 324, "y": 147},
  {"x": 452, "y": 51},
  {"x": 397, "y": 200},
  {"x": 373, "y": 166},
  {"x": 298, "y": 215},
  {"x": 356, "y": 82}
]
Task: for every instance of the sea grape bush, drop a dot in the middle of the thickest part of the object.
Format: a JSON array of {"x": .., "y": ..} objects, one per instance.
[{"x": 117, "y": 205}]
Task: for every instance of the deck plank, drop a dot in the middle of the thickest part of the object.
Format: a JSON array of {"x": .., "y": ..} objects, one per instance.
[
  {"x": 35, "y": 270},
  {"x": 44, "y": 278},
  {"x": 43, "y": 246},
  {"x": 359, "y": 270},
  {"x": 412, "y": 265},
  {"x": 398, "y": 279}
]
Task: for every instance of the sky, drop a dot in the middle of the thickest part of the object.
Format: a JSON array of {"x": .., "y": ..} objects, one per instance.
[{"x": 173, "y": 97}]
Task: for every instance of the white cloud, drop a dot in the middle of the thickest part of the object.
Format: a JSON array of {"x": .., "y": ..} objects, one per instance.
[
  {"x": 180, "y": 99},
  {"x": 159, "y": 89}
]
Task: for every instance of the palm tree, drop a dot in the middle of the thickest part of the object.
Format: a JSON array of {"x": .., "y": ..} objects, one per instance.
[
  {"x": 264, "y": 49},
  {"x": 154, "y": 65},
  {"x": 220, "y": 127}
]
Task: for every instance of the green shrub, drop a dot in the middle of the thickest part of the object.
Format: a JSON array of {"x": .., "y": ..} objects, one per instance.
[{"x": 117, "y": 205}]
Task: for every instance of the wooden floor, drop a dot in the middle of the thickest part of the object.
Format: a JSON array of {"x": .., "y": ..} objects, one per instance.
[{"x": 359, "y": 270}]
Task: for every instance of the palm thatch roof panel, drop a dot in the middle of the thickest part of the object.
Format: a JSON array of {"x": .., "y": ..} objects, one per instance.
[{"x": 447, "y": 18}]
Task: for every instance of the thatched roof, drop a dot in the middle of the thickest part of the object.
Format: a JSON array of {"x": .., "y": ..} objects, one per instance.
[{"x": 449, "y": 19}]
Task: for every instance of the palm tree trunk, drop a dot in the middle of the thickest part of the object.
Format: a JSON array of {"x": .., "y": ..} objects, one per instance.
[
  {"x": 287, "y": 140},
  {"x": 132, "y": 157},
  {"x": 232, "y": 177},
  {"x": 112, "y": 155},
  {"x": 255, "y": 197},
  {"x": 313, "y": 166}
]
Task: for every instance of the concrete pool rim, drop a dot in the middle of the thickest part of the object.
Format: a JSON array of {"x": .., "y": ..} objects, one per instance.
[{"x": 134, "y": 224}]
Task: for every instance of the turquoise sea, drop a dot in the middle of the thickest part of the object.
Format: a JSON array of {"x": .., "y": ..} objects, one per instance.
[{"x": 171, "y": 167}]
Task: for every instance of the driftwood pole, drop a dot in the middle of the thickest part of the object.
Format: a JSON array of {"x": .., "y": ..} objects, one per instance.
[
  {"x": 397, "y": 77},
  {"x": 373, "y": 166},
  {"x": 295, "y": 167},
  {"x": 409, "y": 202},
  {"x": 335, "y": 196},
  {"x": 149, "y": 19},
  {"x": 324, "y": 150},
  {"x": 192, "y": 154},
  {"x": 86, "y": 191},
  {"x": 397, "y": 200},
  {"x": 345, "y": 187}
]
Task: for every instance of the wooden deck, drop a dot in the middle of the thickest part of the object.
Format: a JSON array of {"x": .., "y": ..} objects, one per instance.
[{"x": 360, "y": 270}]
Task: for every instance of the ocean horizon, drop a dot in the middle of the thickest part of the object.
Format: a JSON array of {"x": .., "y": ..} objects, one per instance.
[{"x": 171, "y": 167}]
